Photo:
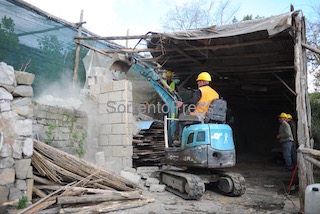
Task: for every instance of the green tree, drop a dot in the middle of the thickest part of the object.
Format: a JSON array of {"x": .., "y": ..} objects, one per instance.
[
  {"x": 247, "y": 17},
  {"x": 315, "y": 118},
  {"x": 9, "y": 41}
]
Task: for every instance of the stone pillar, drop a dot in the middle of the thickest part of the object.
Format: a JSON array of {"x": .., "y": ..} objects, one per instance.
[
  {"x": 16, "y": 126},
  {"x": 115, "y": 123}
]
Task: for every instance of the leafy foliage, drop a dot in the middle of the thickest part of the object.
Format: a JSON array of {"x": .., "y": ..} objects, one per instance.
[
  {"x": 80, "y": 141},
  {"x": 315, "y": 118},
  {"x": 9, "y": 41},
  {"x": 22, "y": 202},
  {"x": 49, "y": 133}
]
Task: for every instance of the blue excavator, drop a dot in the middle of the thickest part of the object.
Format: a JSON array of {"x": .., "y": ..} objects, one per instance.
[{"x": 197, "y": 148}]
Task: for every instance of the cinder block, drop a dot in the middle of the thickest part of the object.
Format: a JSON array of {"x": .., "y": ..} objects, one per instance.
[
  {"x": 127, "y": 162},
  {"x": 127, "y": 140},
  {"x": 103, "y": 119},
  {"x": 115, "y": 118},
  {"x": 147, "y": 169},
  {"x": 107, "y": 151},
  {"x": 127, "y": 118},
  {"x": 105, "y": 129},
  {"x": 157, "y": 188},
  {"x": 114, "y": 164},
  {"x": 115, "y": 96},
  {"x": 130, "y": 176},
  {"x": 99, "y": 158},
  {"x": 115, "y": 140},
  {"x": 127, "y": 96},
  {"x": 151, "y": 181},
  {"x": 103, "y": 140},
  {"x": 103, "y": 109},
  {"x": 95, "y": 89},
  {"x": 122, "y": 151},
  {"x": 103, "y": 98},
  {"x": 119, "y": 129},
  {"x": 106, "y": 87},
  {"x": 119, "y": 85}
]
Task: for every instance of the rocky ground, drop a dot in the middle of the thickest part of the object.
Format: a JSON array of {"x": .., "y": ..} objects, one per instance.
[{"x": 266, "y": 181}]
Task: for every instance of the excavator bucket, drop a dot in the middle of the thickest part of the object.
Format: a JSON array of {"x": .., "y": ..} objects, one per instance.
[{"x": 120, "y": 63}]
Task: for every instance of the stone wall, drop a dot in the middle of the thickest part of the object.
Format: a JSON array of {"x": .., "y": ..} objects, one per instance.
[
  {"x": 115, "y": 117},
  {"x": 64, "y": 129},
  {"x": 16, "y": 148}
]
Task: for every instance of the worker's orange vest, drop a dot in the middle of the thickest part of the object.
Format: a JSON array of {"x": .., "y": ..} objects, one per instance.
[{"x": 207, "y": 95}]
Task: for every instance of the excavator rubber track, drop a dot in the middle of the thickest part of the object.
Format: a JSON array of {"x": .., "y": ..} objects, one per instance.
[
  {"x": 239, "y": 183},
  {"x": 185, "y": 185}
]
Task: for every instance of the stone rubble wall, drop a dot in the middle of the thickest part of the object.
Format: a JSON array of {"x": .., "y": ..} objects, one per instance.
[
  {"x": 16, "y": 177},
  {"x": 115, "y": 121},
  {"x": 61, "y": 128}
]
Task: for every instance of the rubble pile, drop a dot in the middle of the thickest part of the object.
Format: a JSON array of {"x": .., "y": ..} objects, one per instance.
[{"x": 68, "y": 184}]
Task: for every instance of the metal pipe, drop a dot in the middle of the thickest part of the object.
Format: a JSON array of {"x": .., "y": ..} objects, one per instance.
[{"x": 166, "y": 132}]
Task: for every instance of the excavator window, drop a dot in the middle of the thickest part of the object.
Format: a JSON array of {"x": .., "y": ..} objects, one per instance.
[
  {"x": 201, "y": 136},
  {"x": 190, "y": 138}
]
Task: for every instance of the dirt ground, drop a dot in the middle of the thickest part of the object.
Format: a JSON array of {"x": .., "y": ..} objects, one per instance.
[{"x": 266, "y": 182}]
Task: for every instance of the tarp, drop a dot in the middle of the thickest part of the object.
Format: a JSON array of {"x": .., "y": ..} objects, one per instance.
[{"x": 273, "y": 25}]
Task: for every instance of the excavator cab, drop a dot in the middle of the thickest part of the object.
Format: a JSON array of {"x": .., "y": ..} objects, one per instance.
[{"x": 205, "y": 142}]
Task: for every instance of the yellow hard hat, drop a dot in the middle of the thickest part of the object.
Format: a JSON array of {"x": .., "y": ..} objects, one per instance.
[
  {"x": 283, "y": 115},
  {"x": 205, "y": 76},
  {"x": 289, "y": 116},
  {"x": 169, "y": 74}
]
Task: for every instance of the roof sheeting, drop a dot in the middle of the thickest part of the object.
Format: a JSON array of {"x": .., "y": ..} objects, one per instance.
[{"x": 273, "y": 25}]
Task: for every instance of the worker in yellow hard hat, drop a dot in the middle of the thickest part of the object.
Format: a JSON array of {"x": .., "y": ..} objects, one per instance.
[
  {"x": 203, "y": 96},
  {"x": 170, "y": 82},
  {"x": 293, "y": 127},
  {"x": 286, "y": 139}
]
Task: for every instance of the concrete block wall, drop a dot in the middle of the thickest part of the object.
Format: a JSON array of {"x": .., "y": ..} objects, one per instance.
[
  {"x": 59, "y": 127},
  {"x": 16, "y": 146},
  {"x": 115, "y": 123}
]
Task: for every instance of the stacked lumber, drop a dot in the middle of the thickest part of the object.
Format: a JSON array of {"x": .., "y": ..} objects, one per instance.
[
  {"x": 68, "y": 184},
  {"x": 149, "y": 146}
]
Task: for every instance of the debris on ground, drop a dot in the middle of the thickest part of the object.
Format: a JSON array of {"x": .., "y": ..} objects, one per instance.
[{"x": 67, "y": 184}]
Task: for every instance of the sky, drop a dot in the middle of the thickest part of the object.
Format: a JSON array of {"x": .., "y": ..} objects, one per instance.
[{"x": 115, "y": 17}]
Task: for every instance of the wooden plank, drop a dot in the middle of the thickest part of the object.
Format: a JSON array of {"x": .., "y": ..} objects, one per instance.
[
  {"x": 316, "y": 50},
  {"x": 310, "y": 151},
  {"x": 313, "y": 161},
  {"x": 38, "y": 192},
  {"x": 108, "y": 206},
  {"x": 27, "y": 209},
  {"x": 112, "y": 196},
  {"x": 76, "y": 63},
  {"x": 83, "y": 168},
  {"x": 117, "y": 37}
]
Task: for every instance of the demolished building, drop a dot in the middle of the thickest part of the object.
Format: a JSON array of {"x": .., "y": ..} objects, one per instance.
[{"x": 258, "y": 66}]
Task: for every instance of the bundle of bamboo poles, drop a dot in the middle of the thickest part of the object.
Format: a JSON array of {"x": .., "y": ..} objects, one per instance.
[{"x": 68, "y": 184}]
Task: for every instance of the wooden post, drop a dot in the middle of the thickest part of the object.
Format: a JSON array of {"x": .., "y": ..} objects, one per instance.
[
  {"x": 305, "y": 171},
  {"x": 76, "y": 62}
]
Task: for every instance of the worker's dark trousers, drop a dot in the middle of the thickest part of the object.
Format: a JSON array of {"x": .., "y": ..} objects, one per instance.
[{"x": 286, "y": 151}]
